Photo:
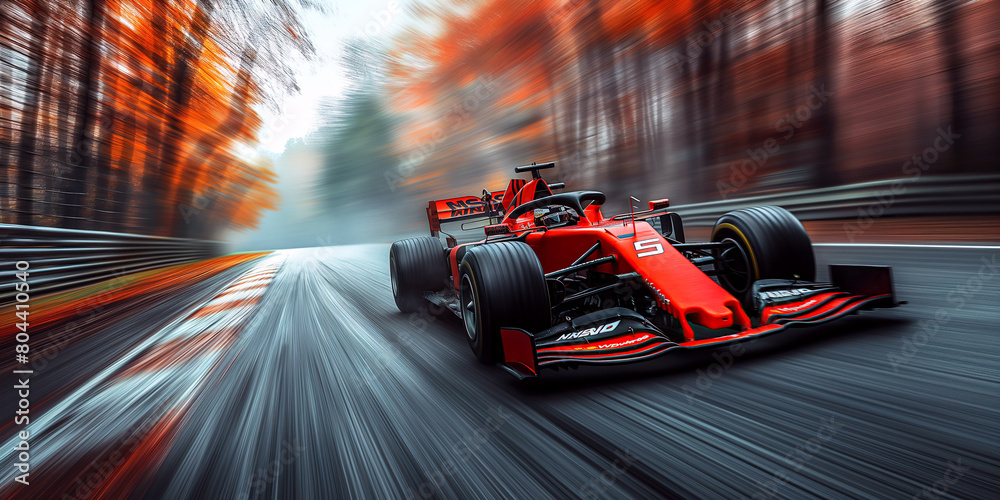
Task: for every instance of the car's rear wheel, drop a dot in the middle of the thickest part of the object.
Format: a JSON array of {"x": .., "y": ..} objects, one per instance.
[
  {"x": 501, "y": 285},
  {"x": 416, "y": 266},
  {"x": 768, "y": 243}
]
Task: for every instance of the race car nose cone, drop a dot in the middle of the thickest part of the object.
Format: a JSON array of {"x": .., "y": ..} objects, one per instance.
[{"x": 711, "y": 317}]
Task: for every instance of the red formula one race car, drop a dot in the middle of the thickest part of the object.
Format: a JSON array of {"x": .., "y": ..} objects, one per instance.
[{"x": 555, "y": 283}]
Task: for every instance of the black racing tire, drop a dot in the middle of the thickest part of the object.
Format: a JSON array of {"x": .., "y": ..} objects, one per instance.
[
  {"x": 775, "y": 244},
  {"x": 416, "y": 266},
  {"x": 501, "y": 285}
]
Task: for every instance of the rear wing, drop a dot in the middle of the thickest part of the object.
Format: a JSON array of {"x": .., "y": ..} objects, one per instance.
[{"x": 460, "y": 209}]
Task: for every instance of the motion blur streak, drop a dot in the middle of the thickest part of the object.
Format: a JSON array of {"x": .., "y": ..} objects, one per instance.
[
  {"x": 139, "y": 399},
  {"x": 93, "y": 303},
  {"x": 141, "y": 116},
  {"x": 790, "y": 94},
  {"x": 695, "y": 100},
  {"x": 138, "y": 463},
  {"x": 326, "y": 391}
]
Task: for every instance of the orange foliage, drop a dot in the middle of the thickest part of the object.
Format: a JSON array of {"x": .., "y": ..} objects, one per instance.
[
  {"x": 175, "y": 113},
  {"x": 639, "y": 92}
]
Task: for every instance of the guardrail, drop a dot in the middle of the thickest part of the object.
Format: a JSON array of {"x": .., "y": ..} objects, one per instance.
[
  {"x": 923, "y": 196},
  {"x": 62, "y": 259}
]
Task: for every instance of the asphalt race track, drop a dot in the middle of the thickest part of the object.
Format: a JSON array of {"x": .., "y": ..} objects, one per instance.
[{"x": 327, "y": 391}]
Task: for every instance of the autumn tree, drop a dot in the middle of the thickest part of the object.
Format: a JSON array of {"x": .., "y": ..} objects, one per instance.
[{"x": 122, "y": 114}]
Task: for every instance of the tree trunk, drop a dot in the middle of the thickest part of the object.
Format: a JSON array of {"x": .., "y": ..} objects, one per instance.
[
  {"x": 645, "y": 142},
  {"x": 63, "y": 144},
  {"x": 704, "y": 145},
  {"x": 49, "y": 151},
  {"x": 107, "y": 184},
  {"x": 610, "y": 95},
  {"x": 104, "y": 184},
  {"x": 571, "y": 136},
  {"x": 824, "y": 174},
  {"x": 30, "y": 114},
  {"x": 723, "y": 104},
  {"x": 80, "y": 154},
  {"x": 790, "y": 156},
  {"x": 947, "y": 10},
  {"x": 689, "y": 126},
  {"x": 583, "y": 113},
  {"x": 6, "y": 127},
  {"x": 123, "y": 174},
  {"x": 152, "y": 165},
  {"x": 180, "y": 97},
  {"x": 554, "y": 111}
]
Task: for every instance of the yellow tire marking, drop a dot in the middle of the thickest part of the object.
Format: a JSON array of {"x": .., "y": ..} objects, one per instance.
[
  {"x": 475, "y": 301},
  {"x": 753, "y": 258}
]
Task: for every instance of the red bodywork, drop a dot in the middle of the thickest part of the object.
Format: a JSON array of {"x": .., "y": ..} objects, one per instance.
[
  {"x": 678, "y": 286},
  {"x": 683, "y": 290}
]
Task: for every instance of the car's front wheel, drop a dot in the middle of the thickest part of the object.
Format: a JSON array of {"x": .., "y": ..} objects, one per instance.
[
  {"x": 416, "y": 266},
  {"x": 501, "y": 285},
  {"x": 767, "y": 243}
]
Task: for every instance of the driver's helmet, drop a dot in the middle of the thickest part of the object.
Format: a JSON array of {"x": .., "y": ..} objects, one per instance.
[
  {"x": 553, "y": 217},
  {"x": 540, "y": 214}
]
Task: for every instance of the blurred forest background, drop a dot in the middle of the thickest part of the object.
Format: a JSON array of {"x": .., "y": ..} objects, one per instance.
[
  {"x": 140, "y": 116},
  {"x": 118, "y": 114},
  {"x": 692, "y": 100}
]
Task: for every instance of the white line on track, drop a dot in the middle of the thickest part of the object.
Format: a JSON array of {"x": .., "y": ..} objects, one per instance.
[
  {"x": 232, "y": 295},
  {"x": 908, "y": 245}
]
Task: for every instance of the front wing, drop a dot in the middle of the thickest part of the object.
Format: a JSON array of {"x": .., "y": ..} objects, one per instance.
[{"x": 623, "y": 336}]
